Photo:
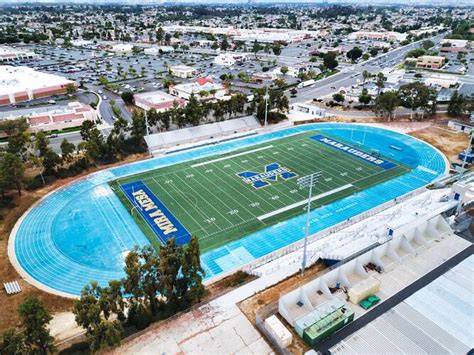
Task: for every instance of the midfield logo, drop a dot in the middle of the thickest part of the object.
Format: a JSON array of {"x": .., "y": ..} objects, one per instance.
[{"x": 272, "y": 172}]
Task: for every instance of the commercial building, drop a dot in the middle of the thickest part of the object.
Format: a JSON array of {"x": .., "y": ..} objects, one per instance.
[
  {"x": 51, "y": 118},
  {"x": 183, "y": 71},
  {"x": 378, "y": 36},
  {"x": 262, "y": 35},
  {"x": 122, "y": 48},
  {"x": 10, "y": 54},
  {"x": 158, "y": 100},
  {"x": 202, "y": 88},
  {"x": 442, "y": 80},
  {"x": 454, "y": 46},
  {"x": 295, "y": 70},
  {"x": 156, "y": 50},
  {"x": 229, "y": 59},
  {"x": 82, "y": 43},
  {"x": 19, "y": 84},
  {"x": 430, "y": 62}
]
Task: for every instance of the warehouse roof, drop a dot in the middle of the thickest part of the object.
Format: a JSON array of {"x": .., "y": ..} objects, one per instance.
[{"x": 18, "y": 79}]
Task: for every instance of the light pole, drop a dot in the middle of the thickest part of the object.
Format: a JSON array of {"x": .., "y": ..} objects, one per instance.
[
  {"x": 266, "y": 106},
  {"x": 146, "y": 124},
  {"x": 307, "y": 182},
  {"x": 466, "y": 152}
]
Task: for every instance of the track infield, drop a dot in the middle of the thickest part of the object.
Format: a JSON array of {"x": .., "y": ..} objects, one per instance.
[{"x": 228, "y": 196}]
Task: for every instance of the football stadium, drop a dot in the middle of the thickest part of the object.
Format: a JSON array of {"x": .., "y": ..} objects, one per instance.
[
  {"x": 241, "y": 198},
  {"x": 223, "y": 197}
]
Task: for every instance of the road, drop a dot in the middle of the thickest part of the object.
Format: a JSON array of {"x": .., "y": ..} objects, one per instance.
[{"x": 349, "y": 75}]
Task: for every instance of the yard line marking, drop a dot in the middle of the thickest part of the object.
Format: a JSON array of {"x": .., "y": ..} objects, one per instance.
[
  {"x": 300, "y": 203},
  {"x": 231, "y": 156}
]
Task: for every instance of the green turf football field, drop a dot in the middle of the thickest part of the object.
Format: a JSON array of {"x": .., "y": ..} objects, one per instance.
[{"x": 214, "y": 203}]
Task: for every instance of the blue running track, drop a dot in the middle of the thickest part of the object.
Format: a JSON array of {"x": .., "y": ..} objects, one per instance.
[{"x": 81, "y": 232}]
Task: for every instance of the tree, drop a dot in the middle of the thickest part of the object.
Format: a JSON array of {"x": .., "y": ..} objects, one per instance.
[
  {"x": 35, "y": 320},
  {"x": 71, "y": 89},
  {"x": 12, "y": 342},
  {"x": 18, "y": 137},
  {"x": 284, "y": 69},
  {"x": 86, "y": 128},
  {"x": 276, "y": 49},
  {"x": 416, "y": 96},
  {"x": 127, "y": 97},
  {"x": 170, "y": 263},
  {"x": 193, "y": 111},
  {"x": 427, "y": 44},
  {"x": 386, "y": 103},
  {"x": 94, "y": 145},
  {"x": 338, "y": 97},
  {"x": 365, "y": 75},
  {"x": 329, "y": 60},
  {"x": 456, "y": 105},
  {"x": 224, "y": 44},
  {"x": 67, "y": 149},
  {"x": 150, "y": 276},
  {"x": 107, "y": 334},
  {"x": 132, "y": 268},
  {"x": 12, "y": 170},
  {"x": 380, "y": 83},
  {"x": 50, "y": 161},
  {"x": 176, "y": 115},
  {"x": 92, "y": 311},
  {"x": 86, "y": 309},
  {"x": 415, "y": 53},
  {"x": 138, "y": 128},
  {"x": 192, "y": 270},
  {"x": 354, "y": 54},
  {"x": 364, "y": 97},
  {"x": 256, "y": 48},
  {"x": 160, "y": 35},
  {"x": 41, "y": 143}
]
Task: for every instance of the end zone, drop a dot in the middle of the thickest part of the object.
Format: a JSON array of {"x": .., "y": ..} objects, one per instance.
[{"x": 161, "y": 221}]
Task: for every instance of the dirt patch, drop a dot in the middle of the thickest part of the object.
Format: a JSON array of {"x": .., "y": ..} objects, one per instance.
[
  {"x": 269, "y": 297},
  {"x": 11, "y": 210},
  {"x": 449, "y": 142}
]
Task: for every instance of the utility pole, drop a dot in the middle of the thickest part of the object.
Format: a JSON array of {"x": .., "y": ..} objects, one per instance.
[{"x": 308, "y": 182}]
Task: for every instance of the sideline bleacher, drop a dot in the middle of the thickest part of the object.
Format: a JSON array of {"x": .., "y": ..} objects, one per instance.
[{"x": 187, "y": 138}]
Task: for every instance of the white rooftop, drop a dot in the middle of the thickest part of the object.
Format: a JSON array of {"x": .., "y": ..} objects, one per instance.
[
  {"x": 17, "y": 79},
  {"x": 155, "y": 97},
  {"x": 435, "y": 320},
  {"x": 7, "y": 51}
]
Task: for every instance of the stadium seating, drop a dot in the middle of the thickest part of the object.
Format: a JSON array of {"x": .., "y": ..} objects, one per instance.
[{"x": 212, "y": 133}]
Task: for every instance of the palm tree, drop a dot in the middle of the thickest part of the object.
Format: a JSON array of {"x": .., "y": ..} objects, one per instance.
[
  {"x": 380, "y": 83},
  {"x": 366, "y": 75}
]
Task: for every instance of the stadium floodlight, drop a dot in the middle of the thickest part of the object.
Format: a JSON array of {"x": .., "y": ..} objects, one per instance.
[
  {"x": 266, "y": 97},
  {"x": 147, "y": 129},
  {"x": 466, "y": 153},
  {"x": 307, "y": 182}
]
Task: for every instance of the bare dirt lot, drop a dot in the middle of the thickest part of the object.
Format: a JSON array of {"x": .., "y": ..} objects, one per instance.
[{"x": 449, "y": 142}]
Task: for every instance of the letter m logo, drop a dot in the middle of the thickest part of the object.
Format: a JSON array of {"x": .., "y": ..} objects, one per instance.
[{"x": 272, "y": 173}]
